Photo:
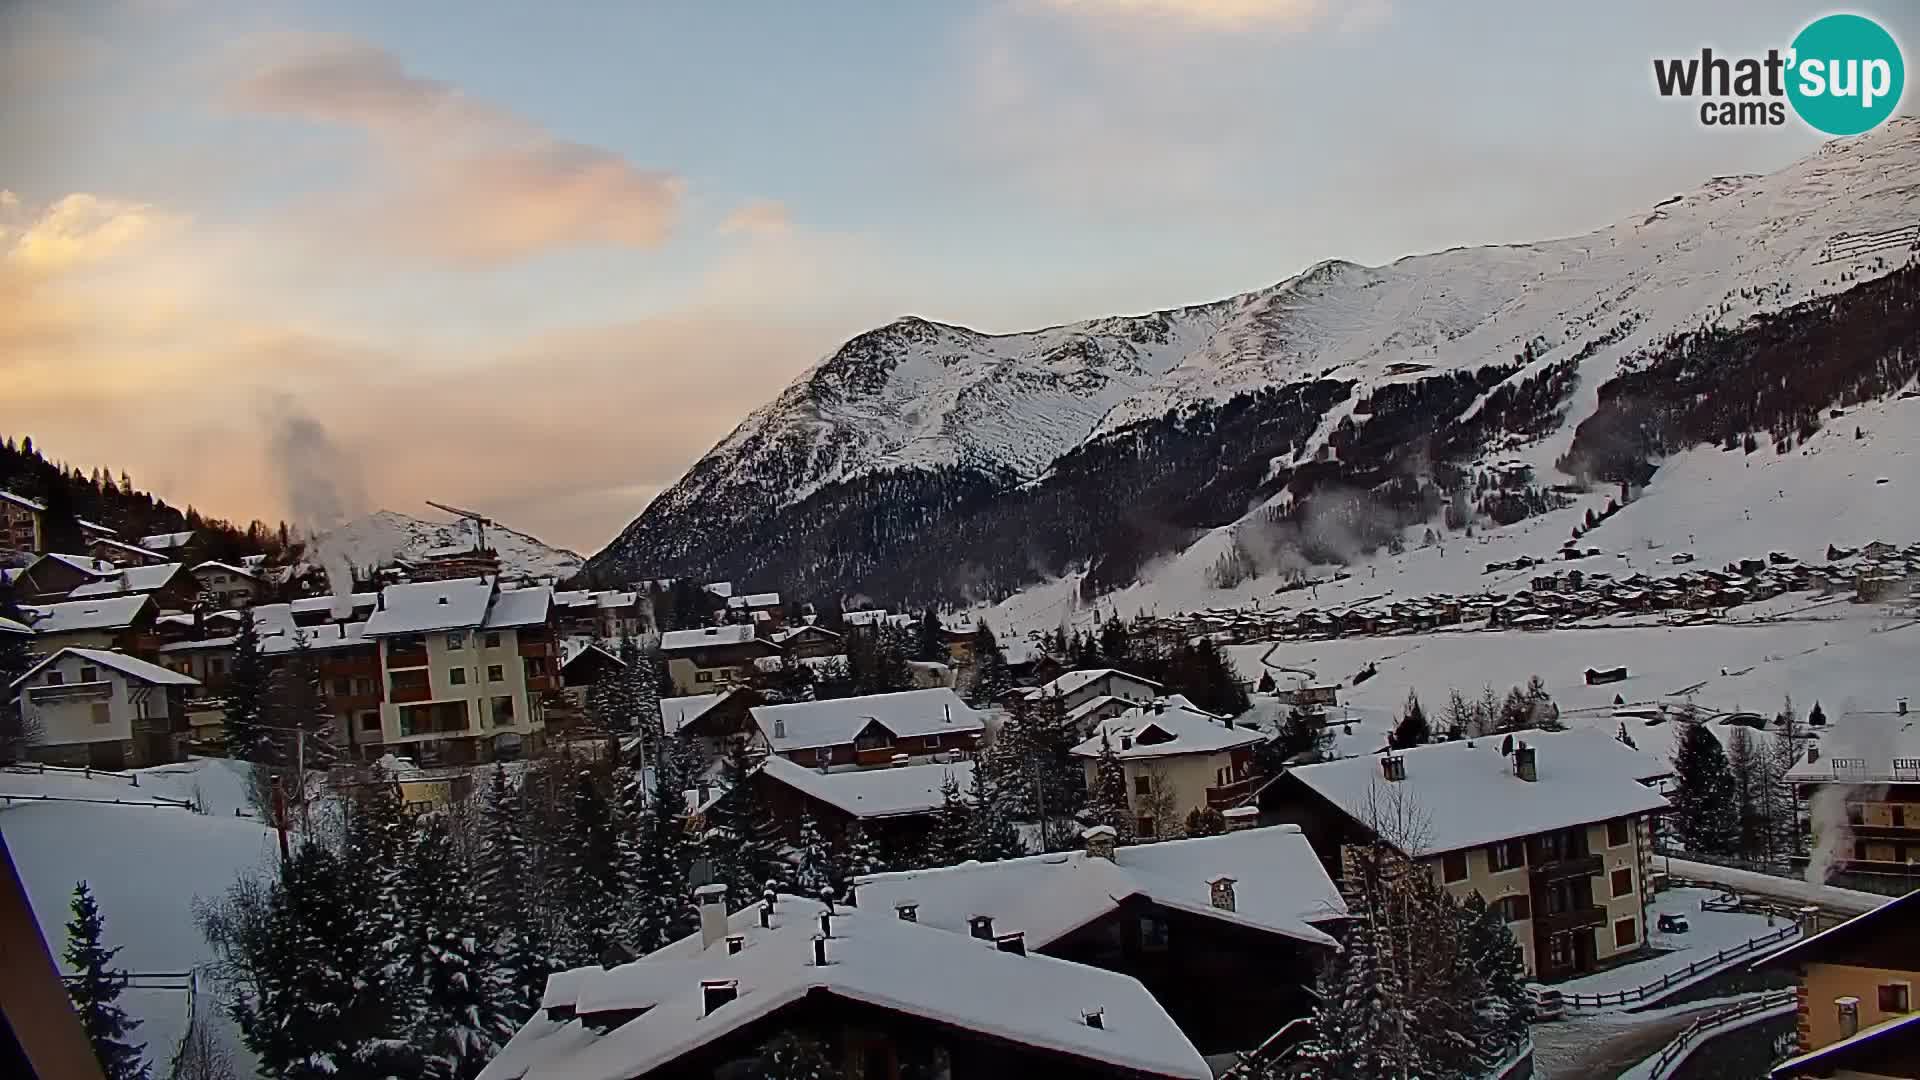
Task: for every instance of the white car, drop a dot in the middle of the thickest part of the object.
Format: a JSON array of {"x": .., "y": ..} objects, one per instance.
[{"x": 1547, "y": 1002}]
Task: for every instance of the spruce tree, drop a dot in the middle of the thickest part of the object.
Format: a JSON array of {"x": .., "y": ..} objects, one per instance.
[
  {"x": 994, "y": 836},
  {"x": 795, "y": 1056},
  {"x": 465, "y": 996},
  {"x": 1503, "y": 1013},
  {"x": 1107, "y": 803},
  {"x": 929, "y": 641},
  {"x": 246, "y": 695},
  {"x": 814, "y": 871},
  {"x": 858, "y": 854},
  {"x": 1704, "y": 813},
  {"x": 991, "y": 677},
  {"x": 95, "y": 990},
  {"x": 951, "y": 841},
  {"x": 380, "y": 955},
  {"x": 1413, "y": 729},
  {"x": 745, "y": 841},
  {"x": 1750, "y": 782},
  {"x": 515, "y": 900},
  {"x": 589, "y": 866},
  {"x": 663, "y": 900}
]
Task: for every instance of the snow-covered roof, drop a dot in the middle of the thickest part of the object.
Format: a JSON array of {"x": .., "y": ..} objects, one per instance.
[
  {"x": 106, "y": 614},
  {"x": 1829, "y": 1059},
  {"x": 706, "y": 637},
  {"x": 816, "y": 663},
  {"x": 320, "y": 638},
  {"x": 719, "y": 588},
  {"x": 421, "y": 606},
  {"x": 325, "y": 603},
  {"x": 167, "y": 541},
  {"x": 1280, "y": 886},
  {"x": 126, "y": 665},
  {"x": 615, "y": 599},
  {"x": 122, "y": 545},
  {"x": 1178, "y": 728},
  {"x": 781, "y": 637},
  {"x": 96, "y": 527},
  {"x": 212, "y": 564},
  {"x": 519, "y": 607},
  {"x": 678, "y": 712},
  {"x": 21, "y": 500},
  {"x": 907, "y": 714},
  {"x": 873, "y": 958},
  {"x": 8, "y": 626},
  {"x": 1864, "y": 747},
  {"x": 1074, "y": 680},
  {"x": 86, "y": 564},
  {"x": 754, "y": 600},
  {"x": 874, "y": 793},
  {"x": 133, "y": 579},
  {"x": 869, "y": 617},
  {"x": 1465, "y": 793}
]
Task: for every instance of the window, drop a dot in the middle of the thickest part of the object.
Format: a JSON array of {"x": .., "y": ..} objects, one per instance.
[
  {"x": 89, "y": 674},
  {"x": 1622, "y": 881},
  {"x": 55, "y": 678},
  {"x": 1899, "y": 813},
  {"x": 102, "y": 712},
  {"x": 1516, "y": 908},
  {"x": 1619, "y": 831},
  {"x": 1143, "y": 785},
  {"x": 370, "y": 721},
  {"x": 493, "y": 640},
  {"x": 1560, "y": 951},
  {"x": 1507, "y": 855},
  {"x": 496, "y": 673},
  {"x": 1453, "y": 867},
  {"x": 343, "y": 687},
  {"x": 456, "y": 640},
  {"x": 458, "y": 676},
  {"x": 1894, "y": 997},
  {"x": 1153, "y": 932},
  {"x": 703, "y": 676},
  {"x": 500, "y": 711},
  {"x": 1856, "y": 814},
  {"x": 1625, "y": 933},
  {"x": 216, "y": 665},
  {"x": 363, "y": 687},
  {"x": 1144, "y": 827}
]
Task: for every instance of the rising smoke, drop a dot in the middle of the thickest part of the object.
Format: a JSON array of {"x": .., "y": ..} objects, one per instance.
[{"x": 320, "y": 480}]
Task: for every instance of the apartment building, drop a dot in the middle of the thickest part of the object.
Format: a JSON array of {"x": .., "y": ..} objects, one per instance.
[
  {"x": 712, "y": 658},
  {"x": 1856, "y": 1008},
  {"x": 1554, "y": 828},
  {"x": 93, "y": 707},
  {"x": 230, "y": 586},
  {"x": 1873, "y": 760},
  {"x": 465, "y": 665},
  {"x": 1177, "y": 759},
  {"x": 22, "y": 524}
]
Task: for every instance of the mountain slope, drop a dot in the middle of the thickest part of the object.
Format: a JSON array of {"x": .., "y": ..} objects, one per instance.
[
  {"x": 384, "y": 537},
  {"x": 923, "y": 461}
]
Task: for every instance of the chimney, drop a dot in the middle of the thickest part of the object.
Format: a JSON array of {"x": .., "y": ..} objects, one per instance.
[
  {"x": 1901, "y": 708},
  {"x": 1813, "y": 753},
  {"x": 717, "y": 992},
  {"x": 1393, "y": 767},
  {"x": 1221, "y": 889},
  {"x": 1015, "y": 943},
  {"x": 1524, "y": 765},
  {"x": 1095, "y": 1018},
  {"x": 1100, "y": 841},
  {"x": 981, "y": 926},
  {"x": 819, "y": 951},
  {"x": 826, "y": 924},
  {"x": 1242, "y": 817},
  {"x": 779, "y": 726},
  {"x": 907, "y": 912},
  {"x": 736, "y": 942},
  {"x": 712, "y": 902},
  {"x": 766, "y": 917}
]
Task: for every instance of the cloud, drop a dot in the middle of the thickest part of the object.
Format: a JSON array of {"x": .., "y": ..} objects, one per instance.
[
  {"x": 758, "y": 217},
  {"x": 1290, "y": 16},
  {"x": 462, "y": 182},
  {"x": 77, "y": 230}
]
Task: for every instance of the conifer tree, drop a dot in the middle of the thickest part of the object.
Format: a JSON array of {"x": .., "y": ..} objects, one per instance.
[
  {"x": 1704, "y": 812},
  {"x": 504, "y": 875},
  {"x": 1107, "y": 802},
  {"x": 795, "y": 1056},
  {"x": 929, "y": 640},
  {"x": 246, "y": 695},
  {"x": 465, "y": 995},
  {"x": 95, "y": 990},
  {"x": 589, "y": 860},
  {"x": 994, "y": 836},
  {"x": 1503, "y": 1013},
  {"x": 745, "y": 843},
  {"x": 1413, "y": 729},
  {"x": 663, "y": 911},
  {"x": 1457, "y": 721},
  {"x": 380, "y": 955},
  {"x": 951, "y": 841},
  {"x": 813, "y": 871},
  {"x": 991, "y": 678},
  {"x": 858, "y": 854}
]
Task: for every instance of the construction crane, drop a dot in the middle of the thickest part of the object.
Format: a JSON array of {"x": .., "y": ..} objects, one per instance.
[{"x": 480, "y": 522}]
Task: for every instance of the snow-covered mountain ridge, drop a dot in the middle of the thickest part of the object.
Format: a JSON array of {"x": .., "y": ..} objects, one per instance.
[
  {"x": 384, "y": 538},
  {"x": 923, "y": 396}
]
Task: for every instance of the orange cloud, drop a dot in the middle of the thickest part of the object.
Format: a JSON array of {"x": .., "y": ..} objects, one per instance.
[
  {"x": 758, "y": 217},
  {"x": 470, "y": 184}
]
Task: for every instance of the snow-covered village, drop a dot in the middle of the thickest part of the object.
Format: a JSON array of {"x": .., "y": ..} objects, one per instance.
[{"x": 1461, "y": 623}]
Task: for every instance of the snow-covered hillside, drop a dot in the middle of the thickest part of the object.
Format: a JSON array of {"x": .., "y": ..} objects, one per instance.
[
  {"x": 385, "y": 537},
  {"x": 919, "y": 395}
]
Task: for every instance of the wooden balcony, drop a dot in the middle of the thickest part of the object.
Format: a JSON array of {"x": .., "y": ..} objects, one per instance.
[
  {"x": 407, "y": 658},
  {"x": 1227, "y": 796},
  {"x": 540, "y": 646},
  {"x": 1560, "y": 869},
  {"x": 1577, "y": 919},
  {"x": 405, "y": 694}
]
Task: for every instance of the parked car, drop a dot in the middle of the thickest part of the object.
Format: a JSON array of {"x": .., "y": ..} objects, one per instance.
[
  {"x": 1673, "y": 922},
  {"x": 1547, "y": 1002}
]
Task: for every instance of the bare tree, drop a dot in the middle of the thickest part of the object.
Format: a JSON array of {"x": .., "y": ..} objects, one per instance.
[
  {"x": 1161, "y": 803},
  {"x": 200, "y": 1056}
]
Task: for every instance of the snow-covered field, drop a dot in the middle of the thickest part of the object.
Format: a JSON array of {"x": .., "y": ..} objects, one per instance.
[
  {"x": 384, "y": 537},
  {"x": 1708, "y": 933}
]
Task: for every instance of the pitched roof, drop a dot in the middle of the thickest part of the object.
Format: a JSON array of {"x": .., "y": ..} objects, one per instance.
[
  {"x": 754, "y": 600},
  {"x": 212, "y": 564},
  {"x": 1074, "y": 680},
  {"x": 21, "y": 500},
  {"x": 86, "y": 564},
  {"x": 874, "y": 793},
  {"x": 1180, "y": 728},
  {"x": 519, "y": 607},
  {"x": 907, "y": 714},
  {"x": 1888, "y": 919},
  {"x": 126, "y": 665},
  {"x": 421, "y": 606},
  {"x": 121, "y": 545},
  {"x": 1866, "y": 1047},
  {"x": 1863, "y": 747},
  {"x": 133, "y": 579},
  {"x": 781, "y": 637},
  {"x": 874, "y": 959},
  {"x": 706, "y": 637},
  {"x": 8, "y": 626},
  {"x": 167, "y": 541},
  {"x": 864, "y": 618},
  {"x": 1467, "y": 795},
  {"x": 104, "y": 614},
  {"x": 1280, "y": 887}
]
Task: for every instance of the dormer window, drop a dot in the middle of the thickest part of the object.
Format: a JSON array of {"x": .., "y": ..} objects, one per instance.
[{"x": 456, "y": 639}]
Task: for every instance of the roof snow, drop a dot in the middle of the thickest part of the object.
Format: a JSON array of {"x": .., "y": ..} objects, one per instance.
[
  {"x": 212, "y": 564},
  {"x": 816, "y": 664},
  {"x": 678, "y": 712},
  {"x": 8, "y": 626},
  {"x": 126, "y": 665},
  {"x": 864, "y": 618},
  {"x": 781, "y": 637},
  {"x": 874, "y": 793},
  {"x": 97, "y": 568},
  {"x": 873, "y": 958},
  {"x": 1074, "y": 680},
  {"x": 705, "y": 637},
  {"x": 1864, "y": 747},
  {"x": 750, "y": 601},
  {"x": 21, "y": 500},
  {"x": 133, "y": 579},
  {"x": 519, "y": 607},
  {"x": 907, "y": 714},
  {"x": 1180, "y": 728},
  {"x": 167, "y": 541},
  {"x": 719, "y": 588},
  {"x": 107, "y": 614},
  {"x": 96, "y": 527},
  {"x": 1280, "y": 887},
  {"x": 1467, "y": 795}
]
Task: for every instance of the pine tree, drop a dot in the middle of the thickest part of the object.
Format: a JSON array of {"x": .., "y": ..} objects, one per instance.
[
  {"x": 1817, "y": 717},
  {"x": 1108, "y": 803},
  {"x": 663, "y": 911},
  {"x": 379, "y": 956},
  {"x": 246, "y": 695},
  {"x": 1704, "y": 814},
  {"x": 813, "y": 872},
  {"x": 745, "y": 843},
  {"x": 466, "y": 998},
  {"x": 1413, "y": 729},
  {"x": 951, "y": 840},
  {"x": 589, "y": 865},
  {"x": 95, "y": 990},
  {"x": 991, "y": 678},
  {"x": 858, "y": 855},
  {"x": 1503, "y": 1012},
  {"x": 1750, "y": 782},
  {"x": 929, "y": 641},
  {"x": 994, "y": 836},
  {"x": 1205, "y": 821}
]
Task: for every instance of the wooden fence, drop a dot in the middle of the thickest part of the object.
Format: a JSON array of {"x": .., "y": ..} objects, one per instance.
[{"x": 1653, "y": 989}]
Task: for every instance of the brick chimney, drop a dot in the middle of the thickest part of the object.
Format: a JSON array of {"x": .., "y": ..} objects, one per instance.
[
  {"x": 712, "y": 902},
  {"x": 981, "y": 926},
  {"x": 1393, "y": 767},
  {"x": 1100, "y": 841},
  {"x": 1221, "y": 890},
  {"x": 1525, "y": 764}
]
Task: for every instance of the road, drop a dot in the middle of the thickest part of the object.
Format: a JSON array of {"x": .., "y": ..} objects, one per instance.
[{"x": 1602, "y": 1046}]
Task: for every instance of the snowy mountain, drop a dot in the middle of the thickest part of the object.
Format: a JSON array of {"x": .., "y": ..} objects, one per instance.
[
  {"x": 924, "y": 461},
  {"x": 384, "y": 537}
]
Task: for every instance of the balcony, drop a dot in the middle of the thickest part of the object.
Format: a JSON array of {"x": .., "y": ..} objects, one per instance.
[
  {"x": 98, "y": 690},
  {"x": 1577, "y": 866},
  {"x": 406, "y": 658},
  {"x": 1225, "y": 796},
  {"x": 1565, "y": 921}
]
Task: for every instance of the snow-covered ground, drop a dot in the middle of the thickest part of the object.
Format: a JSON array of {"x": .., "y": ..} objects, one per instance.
[
  {"x": 146, "y": 862},
  {"x": 1708, "y": 933},
  {"x": 385, "y": 537}
]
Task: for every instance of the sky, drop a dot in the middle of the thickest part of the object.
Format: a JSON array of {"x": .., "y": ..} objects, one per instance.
[{"x": 303, "y": 261}]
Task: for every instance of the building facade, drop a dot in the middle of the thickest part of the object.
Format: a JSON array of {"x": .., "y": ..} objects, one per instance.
[
  {"x": 1856, "y": 1015},
  {"x": 91, "y": 707},
  {"x": 710, "y": 659},
  {"x": 22, "y": 524}
]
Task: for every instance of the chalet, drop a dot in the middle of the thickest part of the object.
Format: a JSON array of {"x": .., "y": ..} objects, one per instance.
[
  {"x": 466, "y": 666},
  {"x": 103, "y": 709},
  {"x": 885, "y": 997},
  {"x": 52, "y": 576},
  {"x": 870, "y": 730},
  {"x": 958, "y": 640},
  {"x": 121, "y": 553},
  {"x": 756, "y": 608},
  {"x": 895, "y": 807},
  {"x": 1320, "y": 695},
  {"x": 168, "y": 543},
  {"x": 713, "y": 721},
  {"x": 1857, "y": 1015},
  {"x": 1873, "y": 760},
  {"x": 1076, "y": 688},
  {"x": 121, "y": 623},
  {"x": 1227, "y": 932},
  {"x": 22, "y": 524},
  {"x": 1177, "y": 759},
  {"x": 170, "y": 585},
  {"x": 320, "y": 610},
  {"x": 1555, "y": 828},
  {"x": 1602, "y": 676},
  {"x": 808, "y": 641},
  {"x": 230, "y": 586},
  {"x": 712, "y": 658}
]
